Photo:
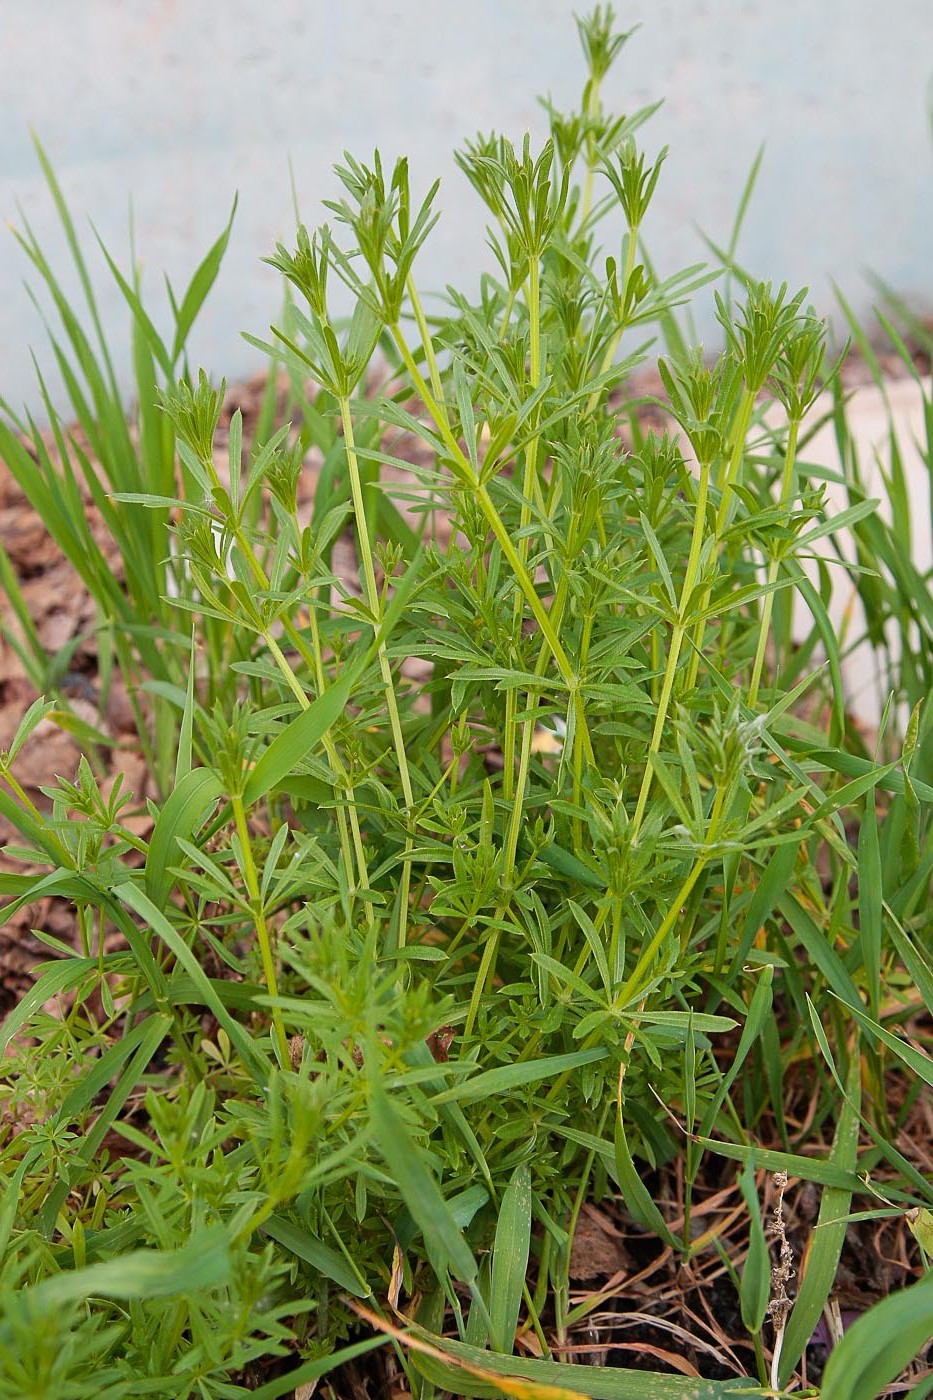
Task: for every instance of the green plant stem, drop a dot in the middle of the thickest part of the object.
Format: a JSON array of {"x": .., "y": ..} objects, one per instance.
[
  {"x": 563, "y": 1294},
  {"x": 787, "y": 484},
  {"x": 612, "y": 349},
  {"x": 372, "y": 598},
  {"x": 262, "y": 930},
  {"x": 426, "y": 340},
  {"x": 433, "y": 403},
  {"x": 633, "y": 986},
  {"x": 591, "y": 113},
  {"x": 528, "y": 486},
  {"x": 496, "y": 524},
  {"x": 65, "y": 858},
  {"x": 312, "y": 658},
  {"x": 342, "y": 776},
  {"x": 743, "y": 419},
  {"x": 508, "y": 744},
  {"x": 677, "y": 640},
  {"x": 331, "y": 751},
  {"x": 507, "y": 314}
]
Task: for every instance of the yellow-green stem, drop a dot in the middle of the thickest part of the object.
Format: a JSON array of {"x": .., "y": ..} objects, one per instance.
[
  {"x": 65, "y": 858},
  {"x": 528, "y": 487},
  {"x": 508, "y": 744},
  {"x": 291, "y": 679},
  {"x": 592, "y": 112},
  {"x": 262, "y": 930},
  {"x": 434, "y": 403},
  {"x": 612, "y": 348},
  {"x": 787, "y": 481},
  {"x": 487, "y": 966},
  {"x": 632, "y": 988},
  {"x": 331, "y": 750},
  {"x": 743, "y": 418},
  {"x": 426, "y": 340},
  {"x": 507, "y": 314},
  {"x": 578, "y": 751},
  {"x": 372, "y": 598},
  {"x": 312, "y": 658},
  {"x": 486, "y": 504},
  {"x": 677, "y": 641}
]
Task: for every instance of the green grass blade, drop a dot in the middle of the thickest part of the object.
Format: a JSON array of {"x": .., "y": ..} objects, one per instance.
[
  {"x": 55, "y": 978},
  {"x": 870, "y": 899},
  {"x": 202, "y": 1264},
  {"x": 141, "y": 319},
  {"x": 418, "y": 1188},
  {"x": 637, "y": 1197},
  {"x": 819, "y": 950},
  {"x": 299, "y": 1241},
  {"x": 183, "y": 759},
  {"x": 308, "y": 1372},
  {"x": 916, "y": 1060},
  {"x": 77, "y": 257},
  {"x": 298, "y": 739},
  {"x": 510, "y": 1258},
  {"x": 135, "y": 898},
  {"x": 825, "y": 1248},
  {"x": 183, "y": 812},
  {"x": 200, "y": 285},
  {"x": 755, "y": 1287},
  {"x": 558, "y": 1380},
  {"x": 822, "y": 1170},
  {"x": 505, "y": 1077},
  {"x": 880, "y": 1344}
]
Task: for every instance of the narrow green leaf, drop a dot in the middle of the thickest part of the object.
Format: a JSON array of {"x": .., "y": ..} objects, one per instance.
[
  {"x": 202, "y": 1264},
  {"x": 506, "y": 1077},
  {"x": 880, "y": 1344},
  {"x": 917, "y": 1060},
  {"x": 851, "y": 766},
  {"x": 819, "y": 1169},
  {"x": 136, "y": 899},
  {"x": 759, "y": 1008},
  {"x": 182, "y": 814},
  {"x": 755, "y": 1286},
  {"x": 38, "y": 834},
  {"x": 825, "y": 1250},
  {"x": 870, "y": 898},
  {"x": 54, "y": 978},
  {"x": 298, "y": 739},
  {"x": 10, "y": 1200},
  {"x": 140, "y": 315},
  {"x": 203, "y": 279},
  {"x": 819, "y": 950},
  {"x": 418, "y": 1189},
  {"x": 595, "y": 1382},
  {"x": 510, "y": 1258},
  {"x": 637, "y": 1197},
  {"x": 310, "y": 1371},
  {"x": 298, "y": 1240}
]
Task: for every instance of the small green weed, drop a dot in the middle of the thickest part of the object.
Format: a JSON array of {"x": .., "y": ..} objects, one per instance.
[{"x": 420, "y": 958}]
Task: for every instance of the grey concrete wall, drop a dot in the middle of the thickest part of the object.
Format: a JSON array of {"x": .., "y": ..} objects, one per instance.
[{"x": 178, "y": 103}]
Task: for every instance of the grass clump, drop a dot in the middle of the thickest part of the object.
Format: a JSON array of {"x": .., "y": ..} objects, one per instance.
[{"x": 484, "y": 886}]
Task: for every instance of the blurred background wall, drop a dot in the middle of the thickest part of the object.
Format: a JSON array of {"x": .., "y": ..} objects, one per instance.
[{"x": 177, "y": 104}]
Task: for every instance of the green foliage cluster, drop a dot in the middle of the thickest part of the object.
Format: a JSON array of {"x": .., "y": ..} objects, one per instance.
[{"x": 418, "y": 959}]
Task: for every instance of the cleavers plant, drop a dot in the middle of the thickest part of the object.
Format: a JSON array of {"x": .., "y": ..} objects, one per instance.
[{"x": 483, "y": 884}]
